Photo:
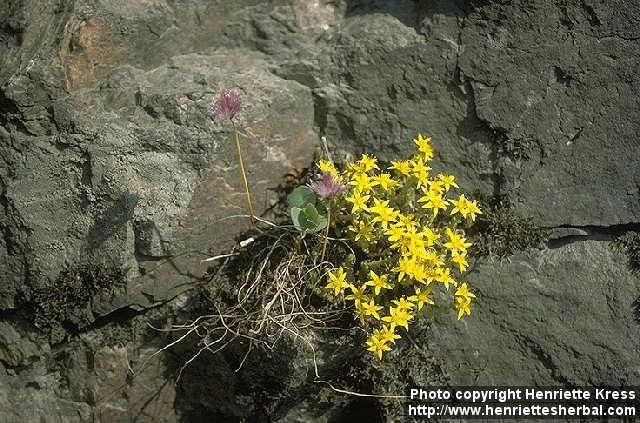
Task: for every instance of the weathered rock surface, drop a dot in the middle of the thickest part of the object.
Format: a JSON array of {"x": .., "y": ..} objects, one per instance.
[
  {"x": 554, "y": 81},
  {"x": 109, "y": 158},
  {"x": 536, "y": 101},
  {"x": 133, "y": 171},
  {"x": 564, "y": 316},
  {"x": 91, "y": 378}
]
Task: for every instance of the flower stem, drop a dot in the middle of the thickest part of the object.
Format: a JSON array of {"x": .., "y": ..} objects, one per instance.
[
  {"x": 326, "y": 234},
  {"x": 244, "y": 175}
]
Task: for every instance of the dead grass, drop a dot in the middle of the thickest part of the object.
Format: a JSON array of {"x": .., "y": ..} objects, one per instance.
[{"x": 280, "y": 292}]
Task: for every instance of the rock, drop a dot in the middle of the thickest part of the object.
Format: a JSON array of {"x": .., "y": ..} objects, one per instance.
[
  {"x": 564, "y": 108},
  {"x": 31, "y": 396},
  {"x": 92, "y": 377},
  {"x": 150, "y": 176},
  {"x": 16, "y": 346},
  {"x": 507, "y": 113},
  {"x": 562, "y": 232},
  {"x": 383, "y": 90},
  {"x": 103, "y": 77},
  {"x": 554, "y": 317}
]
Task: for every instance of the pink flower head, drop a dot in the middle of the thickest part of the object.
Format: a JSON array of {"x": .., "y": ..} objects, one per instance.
[
  {"x": 326, "y": 186},
  {"x": 226, "y": 105}
]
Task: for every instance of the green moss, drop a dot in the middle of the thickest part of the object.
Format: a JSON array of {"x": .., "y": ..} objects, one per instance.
[
  {"x": 67, "y": 302},
  {"x": 500, "y": 232},
  {"x": 516, "y": 149},
  {"x": 629, "y": 243}
]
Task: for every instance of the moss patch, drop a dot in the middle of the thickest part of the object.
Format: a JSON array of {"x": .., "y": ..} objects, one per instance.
[
  {"x": 67, "y": 303},
  {"x": 500, "y": 232},
  {"x": 515, "y": 149}
]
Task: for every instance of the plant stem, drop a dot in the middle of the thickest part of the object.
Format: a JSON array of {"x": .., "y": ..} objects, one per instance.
[
  {"x": 244, "y": 175},
  {"x": 326, "y": 233}
]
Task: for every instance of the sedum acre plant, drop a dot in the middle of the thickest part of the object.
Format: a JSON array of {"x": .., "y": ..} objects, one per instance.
[
  {"x": 407, "y": 227},
  {"x": 399, "y": 248}
]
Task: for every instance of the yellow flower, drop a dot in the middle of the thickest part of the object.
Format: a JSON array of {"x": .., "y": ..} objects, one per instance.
[
  {"x": 404, "y": 167},
  {"x": 432, "y": 273},
  {"x": 437, "y": 187},
  {"x": 368, "y": 163},
  {"x": 406, "y": 220},
  {"x": 428, "y": 196},
  {"x": 355, "y": 167},
  {"x": 444, "y": 276},
  {"x": 359, "y": 201},
  {"x": 371, "y": 309},
  {"x": 385, "y": 181},
  {"x": 387, "y": 334},
  {"x": 412, "y": 252},
  {"x": 422, "y": 297},
  {"x": 403, "y": 304},
  {"x": 435, "y": 203},
  {"x": 430, "y": 235},
  {"x": 362, "y": 182},
  {"x": 395, "y": 233},
  {"x": 337, "y": 281},
  {"x": 463, "y": 307},
  {"x": 423, "y": 179},
  {"x": 378, "y": 282},
  {"x": 473, "y": 209},
  {"x": 456, "y": 242},
  {"x": 460, "y": 259},
  {"x": 418, "y": 272},
  {"x": 398, "y": 317},
  {"x": 360, "y": 313},
  {"x": 460, "y": 206},
  {"x": 418, "y": 166},
  {"x": 464, "y": 292},
  {"x": 328, "y": 166},
  {"x": 384, "y": 213},
  {"x": 424, "y": 146},
  {"x": 448, "y": 181},
  {"x": 433, "y": 258},
  {"x": 377, "y": 345},
  {"x": 357, "y": 295},
  {"x": 405, "y": 267},
  {"x": 414, "y": 240}
]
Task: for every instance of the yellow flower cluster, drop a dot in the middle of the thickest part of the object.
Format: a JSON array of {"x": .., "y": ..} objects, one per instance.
[{"x": 405, "y": 221}]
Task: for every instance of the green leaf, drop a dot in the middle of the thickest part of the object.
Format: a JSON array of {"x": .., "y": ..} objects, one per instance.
[
  {"x": 311, "y": 214},
  {"x": 311, "y": 220},
  {"x": 295, "y": 217},
  {"x": 308, "y": 219},
  {"x": 301, "y": 197},
  {"x": 322, "y": 224}
]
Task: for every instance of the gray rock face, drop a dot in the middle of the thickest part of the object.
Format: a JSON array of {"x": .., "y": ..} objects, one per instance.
[
  {"x": 91, "y": 378},
  {"x": 109, "y": 158},
  {"x": 546, "y": 318},
  {"x": 142, "y": 161},
  {"x": 536, "y": 102},
  {"x": 554, "y": 82}
]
